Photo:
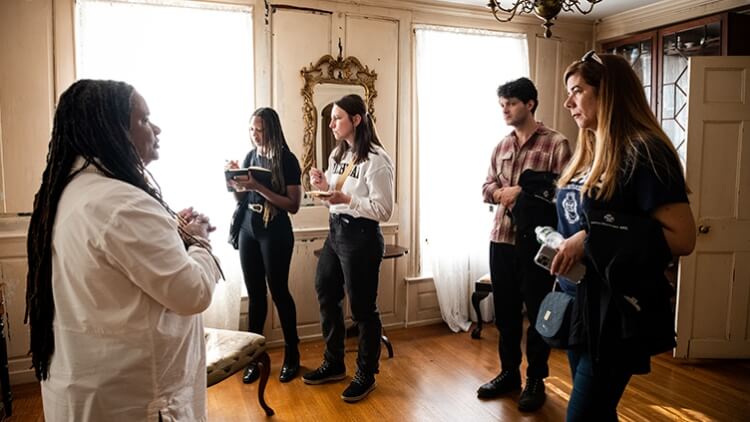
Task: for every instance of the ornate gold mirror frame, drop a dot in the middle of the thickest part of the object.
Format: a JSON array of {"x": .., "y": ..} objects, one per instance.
[{"x": 330, "y": 70}]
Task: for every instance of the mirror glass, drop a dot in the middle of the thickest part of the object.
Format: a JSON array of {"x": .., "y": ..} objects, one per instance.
[{"x": 323, "y": 98}]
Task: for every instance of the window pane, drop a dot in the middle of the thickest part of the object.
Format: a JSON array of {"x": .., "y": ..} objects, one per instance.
[
  {"x": 459, "y": 124},
  {"x": 639, "y": 55},
  {"x": 192, "y": 62}
]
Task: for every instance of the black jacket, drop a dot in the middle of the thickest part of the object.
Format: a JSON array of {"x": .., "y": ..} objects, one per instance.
[
  {"x": 534, "y": 207},
  {"x": 623, "y": 304}
]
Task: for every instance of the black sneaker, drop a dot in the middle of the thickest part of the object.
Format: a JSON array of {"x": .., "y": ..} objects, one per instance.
[
  {"x": 504, "y": 383},
  {"x": 325, "y": 373},
  {"x": 359, "y": 388},
  {"x": 533, "y": 395}
]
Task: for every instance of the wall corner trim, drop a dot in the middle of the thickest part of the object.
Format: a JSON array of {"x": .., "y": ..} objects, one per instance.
[{"x": 659, "y": 14}]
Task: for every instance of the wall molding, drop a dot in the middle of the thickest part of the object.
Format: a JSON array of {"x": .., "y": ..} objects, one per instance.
[
  {"x": 663, "y": 13},
  {"x": 437, "y": 7},
  {"x": 432, "y": 12}
]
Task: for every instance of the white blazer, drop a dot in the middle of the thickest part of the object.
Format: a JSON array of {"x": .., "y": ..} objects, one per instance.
[{"x": 128, "y": 300}]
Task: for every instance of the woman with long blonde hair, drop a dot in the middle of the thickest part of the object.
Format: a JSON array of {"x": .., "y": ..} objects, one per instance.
[{"x": 625, "y": 166}]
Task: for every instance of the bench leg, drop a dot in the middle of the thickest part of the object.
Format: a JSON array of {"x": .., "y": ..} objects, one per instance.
[
  {"x": 264, "y": 363},
  {"x": 353, "y": 331},
  {"x": 477, "y": 297},
  {"x": 387, "y": 342}
]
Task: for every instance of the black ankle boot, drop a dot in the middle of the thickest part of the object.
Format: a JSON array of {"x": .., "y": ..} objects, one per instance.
[
  {"x": 533, "y": 395},
  {"x": 506, "y": 382},
  {"x": 291, "y": 364},
  {"x": 252, "y": 373}
]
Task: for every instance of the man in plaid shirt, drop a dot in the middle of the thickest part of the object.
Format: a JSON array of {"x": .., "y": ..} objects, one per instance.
[{"x": 533, "y": 146}]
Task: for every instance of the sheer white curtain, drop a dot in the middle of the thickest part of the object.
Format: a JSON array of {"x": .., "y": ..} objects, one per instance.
[
  {"x": 459, "y": 123},
  {"x": 192, "y": 62}
]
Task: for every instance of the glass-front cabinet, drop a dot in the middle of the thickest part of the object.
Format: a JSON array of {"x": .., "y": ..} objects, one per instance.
[
  {"x": 660, "y": 58},
  {"x": 638, "y": 50},
  {"x": 676, "y": 45}
]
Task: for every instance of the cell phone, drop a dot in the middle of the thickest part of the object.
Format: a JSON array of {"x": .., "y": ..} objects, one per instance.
[{"x": 544, "y": 258}]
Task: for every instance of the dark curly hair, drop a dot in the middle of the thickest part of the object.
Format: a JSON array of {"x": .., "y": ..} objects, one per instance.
[{"x": 521, "y": 88}]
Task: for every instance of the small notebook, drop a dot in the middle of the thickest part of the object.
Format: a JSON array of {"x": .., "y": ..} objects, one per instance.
[{"x": 261, "y": 174}]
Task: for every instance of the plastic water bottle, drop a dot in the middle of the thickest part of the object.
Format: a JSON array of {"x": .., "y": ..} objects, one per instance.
[
  {"x": 546, "y": 235},
  {"x": 550, "y": 238}
]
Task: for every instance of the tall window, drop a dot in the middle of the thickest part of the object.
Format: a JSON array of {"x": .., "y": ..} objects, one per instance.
[
  {"x": 192, "y": 62},
  {"x": 459, "y": 123}
]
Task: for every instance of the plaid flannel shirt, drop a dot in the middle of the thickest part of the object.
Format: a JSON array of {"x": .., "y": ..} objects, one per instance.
[{"x": 546, "y": 150}]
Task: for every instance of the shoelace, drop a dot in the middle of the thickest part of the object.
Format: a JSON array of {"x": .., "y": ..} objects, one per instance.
[
  {"x": 501, "y": 377},
  {"x": 533, "y": 386},
  {"x": 360, "y": 378},
  {"x": 324, "y": 366}
]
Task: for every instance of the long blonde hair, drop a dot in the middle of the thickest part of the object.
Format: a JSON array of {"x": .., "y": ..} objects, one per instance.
[{"x": 626, "y": 128}]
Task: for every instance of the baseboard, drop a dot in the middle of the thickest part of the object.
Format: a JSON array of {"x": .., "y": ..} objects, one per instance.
[
  {"x": 20, "y": 371},
  {"x": 423, "y": 322}
]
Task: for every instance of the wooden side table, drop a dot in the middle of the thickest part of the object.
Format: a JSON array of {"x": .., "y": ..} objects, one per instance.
[{"x": 391, "y": 252}]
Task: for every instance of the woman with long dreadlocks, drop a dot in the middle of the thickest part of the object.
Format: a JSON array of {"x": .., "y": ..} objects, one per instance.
[
  {"x": 117, "y": 281},
  {"x": 263, "y": 233}
]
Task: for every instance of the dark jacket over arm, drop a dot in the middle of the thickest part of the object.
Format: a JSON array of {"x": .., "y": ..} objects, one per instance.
[{"x": 626, "y": 258}]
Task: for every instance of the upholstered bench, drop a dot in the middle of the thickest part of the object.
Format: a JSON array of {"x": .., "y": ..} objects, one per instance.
[{"x": 229, "y": 351}]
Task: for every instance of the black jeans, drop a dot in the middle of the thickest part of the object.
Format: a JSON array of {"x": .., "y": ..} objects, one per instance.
[
  {"x": 265, "y": 254},
  {"x": 350, "y": 260},
  {"x": 516, "y": 280}
]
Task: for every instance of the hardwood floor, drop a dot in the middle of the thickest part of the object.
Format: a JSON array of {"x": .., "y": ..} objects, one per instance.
[{"x": 434, "y": 376}]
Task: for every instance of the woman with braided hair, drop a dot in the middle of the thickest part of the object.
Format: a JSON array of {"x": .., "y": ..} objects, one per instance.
[
  {"x": 117, "y": 281},
  {"x": 263, "y": 233}
]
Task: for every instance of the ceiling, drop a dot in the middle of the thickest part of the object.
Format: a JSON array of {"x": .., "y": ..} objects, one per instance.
[{"x": 605, "y": 8}]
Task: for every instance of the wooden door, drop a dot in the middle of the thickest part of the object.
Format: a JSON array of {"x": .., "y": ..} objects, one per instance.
[{"x": 713, "y": 310}]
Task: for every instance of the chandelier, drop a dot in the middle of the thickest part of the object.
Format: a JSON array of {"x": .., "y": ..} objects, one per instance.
[{"x": 546, "y": 10}]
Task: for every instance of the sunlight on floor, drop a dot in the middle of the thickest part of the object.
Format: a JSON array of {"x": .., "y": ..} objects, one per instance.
[
  {"x": 559, "y": 387},
  {"x": 681, "y": 414}
]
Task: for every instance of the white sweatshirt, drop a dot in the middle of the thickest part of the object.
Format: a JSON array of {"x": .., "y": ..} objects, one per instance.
[{"x": 370, "y": 184}]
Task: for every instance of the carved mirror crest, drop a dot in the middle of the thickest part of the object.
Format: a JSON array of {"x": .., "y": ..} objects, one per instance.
[{"x": 337, "y": 77}]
